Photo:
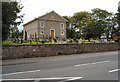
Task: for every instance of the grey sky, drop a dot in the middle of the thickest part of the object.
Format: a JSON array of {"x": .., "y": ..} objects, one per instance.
[{"x": 35, "y": 8}]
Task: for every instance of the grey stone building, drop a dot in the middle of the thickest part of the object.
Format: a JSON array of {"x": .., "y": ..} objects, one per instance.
[{"x": 49, "y": 25}]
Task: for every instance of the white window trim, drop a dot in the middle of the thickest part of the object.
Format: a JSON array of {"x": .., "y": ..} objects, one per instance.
[
  {"x": 61, "y": 25},
  {"x": 41, "y": 24},
  {"x": 62, "y": 33},
  {"x": 41, "y": 32}
]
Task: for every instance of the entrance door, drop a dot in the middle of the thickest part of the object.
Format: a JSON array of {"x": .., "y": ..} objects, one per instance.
[{"x": 52, "y": 33}]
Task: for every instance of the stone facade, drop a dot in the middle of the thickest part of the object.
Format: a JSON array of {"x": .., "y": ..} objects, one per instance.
[
  {"x": 49, "y": 25},
  {"x": 39, "y": 50}
]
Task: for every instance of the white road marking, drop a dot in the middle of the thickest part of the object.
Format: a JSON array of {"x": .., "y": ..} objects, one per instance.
[
  {"x": 92, "y": 63},
  {"x": 82, "y": 64},
  {"x": 21, "y": 72},
  {"x": 38, "y": 79},
  {"x": 114, "y": 70},
  {"x": 75, "y": 78},
  {"x": 100, "y": 62}
]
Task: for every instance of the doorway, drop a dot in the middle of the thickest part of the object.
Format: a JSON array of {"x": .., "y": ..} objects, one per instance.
[{"x": 52, "y": 33}]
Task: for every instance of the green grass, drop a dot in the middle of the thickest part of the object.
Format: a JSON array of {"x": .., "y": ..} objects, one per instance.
[
  {"x": 29, "y": 42},
  {"x": 7, "y": 42}
]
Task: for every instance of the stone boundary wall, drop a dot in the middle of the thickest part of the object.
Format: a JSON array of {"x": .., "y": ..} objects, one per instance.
[{"x": 44, "y": 50}]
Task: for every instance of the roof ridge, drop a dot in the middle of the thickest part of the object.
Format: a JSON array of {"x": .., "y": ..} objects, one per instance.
[{"x": 43, "y": 16}]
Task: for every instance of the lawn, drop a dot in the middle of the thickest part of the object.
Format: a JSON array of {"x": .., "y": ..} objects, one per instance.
[{"x": 9, "y": 42}]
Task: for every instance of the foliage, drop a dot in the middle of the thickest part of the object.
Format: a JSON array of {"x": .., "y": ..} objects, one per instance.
[
  {"x": 10, "y": 17},
  {"x": 81, "y": 19},
  {"x": 21, "y": 34},
  {"x": 118, "y": 21},
  {"x": 84, "y": 23},
  {"x": 91, "y": 25},
  {"x": 70, "y": 33},
  {"x": 103, "y": 19},
  {"x": 14, "y": 32},
  {"x": 70, "y": 30},
  {"x": 25, "y": 35}
]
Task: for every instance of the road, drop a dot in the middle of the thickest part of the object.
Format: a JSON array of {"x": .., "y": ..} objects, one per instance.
[{"x": 88, "y": 66}]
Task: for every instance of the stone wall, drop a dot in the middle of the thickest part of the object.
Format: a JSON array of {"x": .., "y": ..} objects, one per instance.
[{"x": 43, "y": 50}]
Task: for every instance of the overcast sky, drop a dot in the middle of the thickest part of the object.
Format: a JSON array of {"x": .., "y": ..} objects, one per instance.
[{"x": 35, "y": 8}]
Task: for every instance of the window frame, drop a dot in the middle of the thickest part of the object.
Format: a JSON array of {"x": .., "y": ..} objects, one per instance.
[
  {"x": 41, "y": 32},
  {"x": 62, "y": 25},
  {"x": 62, "y": 33},
  {"x": 41, "y": 26}
]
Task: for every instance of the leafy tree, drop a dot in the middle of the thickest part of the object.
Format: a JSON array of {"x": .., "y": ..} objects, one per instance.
[
  {"x": 10, "y": 17},
  {"x": 68, "y": 20},
  {"x": 21, "y": 34},
  {"x": 90, "y": 31},
  {"x": 118, "y": 21},
  {"x": 81, "y": 19},
  {"x": 70, "y": 30},
  {"x": 14, "y": 32},
  {"x": 92, "y": 25},
  {"x": 111, "y": 25},
  {"x": 71, "y": 33},
  {"x": 102, "y": 18},
  {"x": 84, "y": 21}
]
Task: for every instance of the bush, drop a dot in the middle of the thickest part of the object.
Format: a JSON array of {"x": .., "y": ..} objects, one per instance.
[
  {"x": 43, "y": 41},
  {"x": 55, "y": 40},
  {"x": 70, "y": 40},
  {"x": 117, "y": 40}
]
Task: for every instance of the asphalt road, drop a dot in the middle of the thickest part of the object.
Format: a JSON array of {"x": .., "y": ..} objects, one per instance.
[{"x": 89, "y": 66}]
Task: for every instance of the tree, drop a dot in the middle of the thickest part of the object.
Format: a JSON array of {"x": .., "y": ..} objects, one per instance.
[
  {"x": 91, "y": 31},
  {"x": 70, "y": 30},
  {"x": 10, "y": 17},
  {"x": 25, "y": 35},
  {"x": 102, "y": 18},
  {"x": 83, "y": 21},
  {"x": 68, "y": 20},
  {"x": 14, "y": 32},
  {"x": 118, "y": 21},
  {"x": 21, "y": 34},
  {"x": 111, "y": 25}
]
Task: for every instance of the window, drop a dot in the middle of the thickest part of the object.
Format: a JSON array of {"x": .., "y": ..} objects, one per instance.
[
  {"x": 42, "y": 24},
  {"x": 42, "y": 32},
  {"x": 62, "y": 33},
  {"x": 62, "y": 25}
]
